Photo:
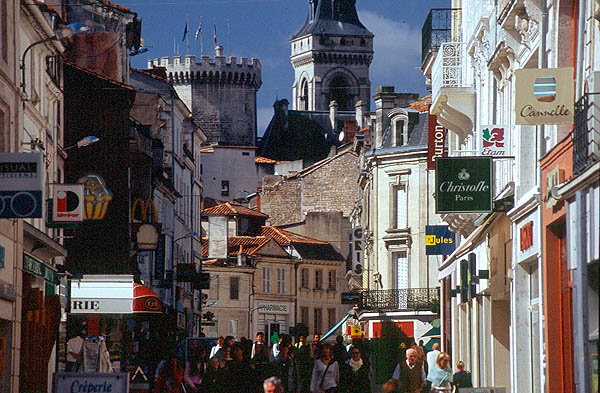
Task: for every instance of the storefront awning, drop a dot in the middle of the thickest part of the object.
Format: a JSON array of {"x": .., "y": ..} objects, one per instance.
[{"x": 145, "y": 300}]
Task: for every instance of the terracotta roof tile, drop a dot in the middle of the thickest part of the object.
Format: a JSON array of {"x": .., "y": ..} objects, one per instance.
[
  {"x": 281, "y": 236},
  {"x": 249, "y": 245},
  {"x": 264, "y": 160},
  {"x": 114, "y": 5},
  {"x": 228, "y": 209},
  {"x": 422, "y": 104}
]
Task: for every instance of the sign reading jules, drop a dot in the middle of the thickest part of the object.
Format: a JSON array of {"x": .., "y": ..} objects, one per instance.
[
  {"x": 544, "y": 96},
  {"x": 463, "y": 185},
  {"x": 439, "y": 240}
]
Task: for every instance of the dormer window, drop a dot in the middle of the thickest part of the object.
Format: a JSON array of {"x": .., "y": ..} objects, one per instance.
[
  {"x": 399, "y": 137},
  {"x": 399, "y": 123}
]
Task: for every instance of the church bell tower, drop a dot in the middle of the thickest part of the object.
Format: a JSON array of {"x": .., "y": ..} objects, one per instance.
[{"x": 331, "y": 55}]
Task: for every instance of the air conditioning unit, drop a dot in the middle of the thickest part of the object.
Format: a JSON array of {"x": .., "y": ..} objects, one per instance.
[{"x": 592, "y": 85}]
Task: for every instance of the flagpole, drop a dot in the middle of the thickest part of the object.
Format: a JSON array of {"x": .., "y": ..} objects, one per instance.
[
  {"x": 228, "y": 52},
  {"x": 201, "y": 38},
  {"x": 187, "y": 49}
]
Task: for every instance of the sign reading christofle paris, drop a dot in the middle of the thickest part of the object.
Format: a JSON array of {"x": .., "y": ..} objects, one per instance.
[{"x": 463, "y": 185}]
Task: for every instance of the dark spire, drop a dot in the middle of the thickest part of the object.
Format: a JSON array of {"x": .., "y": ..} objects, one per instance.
[{"x": 333, "y": 17}]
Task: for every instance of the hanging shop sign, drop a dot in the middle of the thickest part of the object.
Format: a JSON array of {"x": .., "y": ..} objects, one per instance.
[
  {"x": 527, "y": 232},
  {"x": 463, "y": 185},
  {"x": 494, "y": 141},
  {"x": 145, "y": 227},
  {"x": 273, "y": 308},
  {"x": 67, "y": 382},
  {"x": 439, "y": 240},
  {"x": 544, "y": 96},
  {"x": 37, "y": 268},
  {"x": 67, "y": 205},
  {"x": 96, "y": 196},
  {"x": 102, "y": 294},
  {"x": 350, "y": 297},
  {"x": 436, "y": 145},
  {"x": 357, "y": 250},
  {"x": 21, "y": 185}
]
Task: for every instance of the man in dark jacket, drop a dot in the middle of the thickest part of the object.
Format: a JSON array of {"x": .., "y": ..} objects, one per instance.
[{"x": 410, "y": 373}]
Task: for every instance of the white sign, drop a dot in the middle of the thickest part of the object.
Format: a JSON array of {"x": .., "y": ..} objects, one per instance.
[
  {"x": 357, "y": 250},
  {"x": 102, "y": 294},
  {"x": 273, "y": 308},
  {"x": 67, "y": 204},
  {"x": 527, "y": 237},
  {"x": 21, "y": 185},
  {"x": 91, "y": 382},
  {"x": 494, "y": 140}
]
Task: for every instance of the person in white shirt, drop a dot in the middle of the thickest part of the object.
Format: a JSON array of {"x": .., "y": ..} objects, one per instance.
[
  {"x": 326, "y": 372},
  {"x": 215, "y": 350},
  {"x": 74, "y": 347},
  {"x": 260, "y": 340},
  {"x": 432, "y": 356},
  {"x": 276, "y": 349}
]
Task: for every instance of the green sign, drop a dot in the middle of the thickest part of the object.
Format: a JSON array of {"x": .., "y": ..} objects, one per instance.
[
  {"x": 37, "y": 268},
  {"x": 463, "y": 185}
]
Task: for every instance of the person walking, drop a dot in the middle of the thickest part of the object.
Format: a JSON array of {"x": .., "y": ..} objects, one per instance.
[
  {"x": 239, "y": 372},
  {"x": 355, "y": 374},
  {"x": 326, "y": 373},
  {"x": 316, "y": 347},
  {"x": 273, "y": 385},
  {"x": 340, "y": 353},
  {"x": 409, "y": 373},
  {"x": 169, "y": 375},
  {"x": 260, "y": 341},
  {"x": 195, "y": 370},
  {"x": 432, "y": 356},
  {"x": 305, "y": 363},
  {"x": 286, "y": 370},
  {"x": 462, "y": 377},
  {"x": 214, "y": 381},
  {"x": 276, "y": 350},
  {"x": 261, "y": 367},
  {"x": 217, "y": 350},
  {"x": 440, "y": 375}
]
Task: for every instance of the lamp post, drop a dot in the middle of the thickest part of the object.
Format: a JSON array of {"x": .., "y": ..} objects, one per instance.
[
  {"x": 66, "y": 32},
  {"x": 250, "y": 316},
  {"x": 174, "y": 292},
  {"x": 88, "y": 140}
]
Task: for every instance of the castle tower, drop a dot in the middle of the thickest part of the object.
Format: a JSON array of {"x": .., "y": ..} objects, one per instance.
[
  {"x": 331, "y": 55},
  {"x": 221, "y": 93}
]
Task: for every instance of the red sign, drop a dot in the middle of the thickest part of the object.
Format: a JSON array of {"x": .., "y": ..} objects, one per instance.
[
  {"x": 407, "y": 328},
  {"x": 526, "y": 234},
  {"x": 436, "y": 146}
]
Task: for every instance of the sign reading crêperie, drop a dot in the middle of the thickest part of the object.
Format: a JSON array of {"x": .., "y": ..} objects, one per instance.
[
  {"x": 91, "y": 382},
  {"x": 544, "y": 96},
  {"x": 463, "y": 185}
]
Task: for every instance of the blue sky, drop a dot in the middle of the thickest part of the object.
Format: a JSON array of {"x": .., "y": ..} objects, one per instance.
[{"x": 262, "y": 28}]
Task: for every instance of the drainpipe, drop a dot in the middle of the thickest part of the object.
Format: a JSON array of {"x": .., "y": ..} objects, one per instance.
[{"x": 581, "y": 348}]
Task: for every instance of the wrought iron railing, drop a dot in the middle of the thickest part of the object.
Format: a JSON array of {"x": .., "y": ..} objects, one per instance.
[
  {"x": 438, "y": 28},
  {"x": 449, "y": 68},
  {"x": 400, "y": 299},
  {"x": 586, "y": 138}
]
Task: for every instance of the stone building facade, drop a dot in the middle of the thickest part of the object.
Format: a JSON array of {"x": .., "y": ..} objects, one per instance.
[{"x": 221, "y": 93}]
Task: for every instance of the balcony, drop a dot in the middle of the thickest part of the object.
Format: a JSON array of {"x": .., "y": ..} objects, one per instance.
[
  {"x": 452, "y": 95},
  {"x": 586, "y": 139},
  {"x": 411, "y": 299},
  {"x": 442, "y": 25}
]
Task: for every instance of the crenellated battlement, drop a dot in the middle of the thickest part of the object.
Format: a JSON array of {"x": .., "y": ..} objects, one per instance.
[{"x": 220, "y": 69}]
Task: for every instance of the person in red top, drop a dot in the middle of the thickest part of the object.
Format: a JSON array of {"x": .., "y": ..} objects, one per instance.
[{"x": 170, "y": 376}]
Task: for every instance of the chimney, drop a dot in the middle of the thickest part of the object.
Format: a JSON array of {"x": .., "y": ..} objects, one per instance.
[
  {"x": 219, "y": 51},
  {"x": 361, "y": 108},
  {"x": 333, "y": 111},
  {"x": 217, "y": 237},
  {"x": 385, "y": 100},
  {"x": 403, "y": 100}
]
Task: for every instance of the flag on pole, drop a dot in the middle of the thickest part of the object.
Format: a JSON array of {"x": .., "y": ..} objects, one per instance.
[
  {"x": 198, "y": 31},
  {"x": 185, "y": 31},
  {"x": 215, "y": 36}
]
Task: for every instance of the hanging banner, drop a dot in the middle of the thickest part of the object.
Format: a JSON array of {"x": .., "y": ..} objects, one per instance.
[
  {"x": 67, "y": 203},
  {"x": 357, "y": 250},
  {"x": 544, "y": 96},
  {"x": 463, "y": 185},
  {"x": 21, "y": 185},
  {"x": 436, "y": 141},
  {"x": 494, "y": 140},
  {"x": 439, "y": 240}
]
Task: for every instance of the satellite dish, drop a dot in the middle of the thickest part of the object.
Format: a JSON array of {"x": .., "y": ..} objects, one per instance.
[{"x": 341, "y": 136}]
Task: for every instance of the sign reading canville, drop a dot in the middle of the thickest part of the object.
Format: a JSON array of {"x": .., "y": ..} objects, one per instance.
[
  {"x": 544, "y": 96},
  {"x": 463, "y": 185},
  {"x": 439, "y": 240},
  {"x": 436, "y": 145}
]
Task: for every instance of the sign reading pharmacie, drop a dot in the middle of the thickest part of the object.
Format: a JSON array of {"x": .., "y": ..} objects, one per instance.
[
  {"x": 544, "y": 96},
  {"x": 464, "y": 185},
  {"x": 21, "y": 185},
  {"x": 273, "y": 308}
]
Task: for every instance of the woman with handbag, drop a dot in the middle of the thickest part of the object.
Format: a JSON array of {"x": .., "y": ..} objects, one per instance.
[{"x": 326, "y": 373}]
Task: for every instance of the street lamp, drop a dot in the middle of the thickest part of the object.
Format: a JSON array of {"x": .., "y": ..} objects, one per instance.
[
  {"x": 66, "y": 32},
  {"x": 88, "y": 140}
]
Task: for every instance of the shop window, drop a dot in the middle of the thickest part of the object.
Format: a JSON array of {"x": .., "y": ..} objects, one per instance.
[
  {"x": 234, "y": 288},
  {"x": 331, "y": 280}
]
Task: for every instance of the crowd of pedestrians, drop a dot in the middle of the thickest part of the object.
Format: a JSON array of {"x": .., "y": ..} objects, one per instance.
[{"x": 247, "y": 367}]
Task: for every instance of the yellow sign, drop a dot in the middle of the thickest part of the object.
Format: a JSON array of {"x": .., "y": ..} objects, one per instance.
[
  {"x": 356, "y": 331},
  {"x": 432, "y": 240},
  {"x": 544, "y": 96},
  {"x": 147, "y": 211},
  {"x": 96, "y": 196}
]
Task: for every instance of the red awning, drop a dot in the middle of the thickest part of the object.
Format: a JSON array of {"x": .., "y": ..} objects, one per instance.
[{"x": 145, "y": 300}]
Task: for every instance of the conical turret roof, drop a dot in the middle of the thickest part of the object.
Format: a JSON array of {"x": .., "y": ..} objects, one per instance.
[{"x": 333, "y": 17}]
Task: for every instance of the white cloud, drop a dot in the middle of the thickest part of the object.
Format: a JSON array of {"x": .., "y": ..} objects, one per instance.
[
  {"x": 397, "y": 48},
  {"x": 264, "y": 116}
]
